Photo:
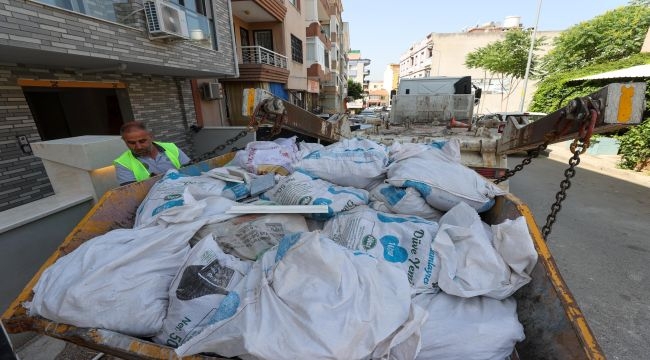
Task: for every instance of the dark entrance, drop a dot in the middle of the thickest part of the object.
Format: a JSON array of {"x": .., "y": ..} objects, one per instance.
[{"x": 68, "y": 112}]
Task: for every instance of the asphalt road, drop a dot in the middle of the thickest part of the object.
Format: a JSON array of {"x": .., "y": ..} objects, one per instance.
[{"x": 601, "y": 242}]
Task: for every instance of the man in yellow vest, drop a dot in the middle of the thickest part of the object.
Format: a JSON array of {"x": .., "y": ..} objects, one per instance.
[{"x": 145, "y": 157}]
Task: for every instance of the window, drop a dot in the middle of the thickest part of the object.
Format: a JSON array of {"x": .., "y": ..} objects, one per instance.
[
  {"x": 264, "y": 38},
  {"x": 200, "y": 21},
  {"x": 243, "y": 35},
  {"x": 296, "y": 49}
]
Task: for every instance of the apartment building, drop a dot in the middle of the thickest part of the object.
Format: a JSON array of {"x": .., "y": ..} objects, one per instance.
[
  {"x": 83, "y": 67},
  {"x": 391, "y": 77},
  {"x": 292, "y": 49},
  {"x": 377, "y": 94},
  {"x": 358, "y": 73},
  {"x": 443, "y": 54},
  {"x": 332, "y": 76}
]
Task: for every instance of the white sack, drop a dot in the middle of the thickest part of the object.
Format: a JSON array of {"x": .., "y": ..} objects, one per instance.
[
  {"x": 406, "y": 201},
  {"x": 249, "y": 236},
  {"x": 211, "y": 209},
  {"x": 197, "y": 290},
  {"x": 354, "y": 162},
  {"x": 401, "y": 240},
  {"x": 301, "y": 189},
  {"x": 477, "y": 328},
  {"x": 117, "y": 281},
  {"x": 442, "y": 181},
  {"x": 168, "y": 192},
  {"x": 470, "y": 265},
  {"x": 261, "y": 157},
  {"x": 307, "y": 147},
  {"x": 310, "y": 299},
  {"x": 449, "y": 148}
]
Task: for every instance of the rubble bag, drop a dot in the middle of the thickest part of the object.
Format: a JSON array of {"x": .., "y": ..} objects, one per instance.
[
  {"x": 202, "y": 282},
  {"x": 476, "y": 328},
  {"x": 399, "y": 240},
  {"x": 358, "y": 163},
  {"x": 310, "y": 298},
  {"x": 406, "y": 201},
  {"x": 167, "y": 193},
  {"x": 302, "y": 189},
  {"x": 442, "y": 181},
  {"x": 478, "y": 260},
  {"x": 117, "y": 281},
  {"x": 249, "y": 236},
  {"x": 261, "y": 157}
]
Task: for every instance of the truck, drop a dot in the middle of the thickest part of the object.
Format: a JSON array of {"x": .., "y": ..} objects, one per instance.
[{"x": 554, "y": 325}]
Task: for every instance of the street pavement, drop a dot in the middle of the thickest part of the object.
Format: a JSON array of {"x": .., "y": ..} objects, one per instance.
[{"x": 600, "y": 242}]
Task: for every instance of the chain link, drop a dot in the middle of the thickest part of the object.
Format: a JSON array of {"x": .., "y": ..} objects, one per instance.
[
  {"x": 219, "y": 148},
  {"x": 527, "y": 160},
  {"x": 569, "y": 173}
]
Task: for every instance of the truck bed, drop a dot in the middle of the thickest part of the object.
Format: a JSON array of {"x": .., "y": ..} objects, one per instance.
[{"x": 554, "y": 325}]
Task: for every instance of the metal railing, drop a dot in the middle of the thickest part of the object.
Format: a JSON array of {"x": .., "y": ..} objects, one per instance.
[{"x": 262, "y": 55}]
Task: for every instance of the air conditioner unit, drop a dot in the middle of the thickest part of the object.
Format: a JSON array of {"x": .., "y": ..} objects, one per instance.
[
  {"x": 165, "y": 20},
  {"x": 212, "y": 91}
]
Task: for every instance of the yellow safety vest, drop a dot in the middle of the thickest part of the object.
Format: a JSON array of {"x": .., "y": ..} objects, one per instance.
[{"x": 129, "y": 161}]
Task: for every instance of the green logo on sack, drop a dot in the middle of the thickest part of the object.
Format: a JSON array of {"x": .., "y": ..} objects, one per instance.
[
  {"x": 305, "y": 200},
  {"x": 368, "y": 242},
  {"x": 173, "y": 196}
]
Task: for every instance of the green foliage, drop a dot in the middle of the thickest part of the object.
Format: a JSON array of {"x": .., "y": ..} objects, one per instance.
[
  {"x": 507, "y": 57},
  {"x": 557, "y": 90},
  {"x": 355, "y": 90},
  {"x": 614, "y": 35},
  {"x": 635, "y": 147}
]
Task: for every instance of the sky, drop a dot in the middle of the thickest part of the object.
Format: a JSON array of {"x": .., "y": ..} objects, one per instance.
[{"x": 384, "y": 29}]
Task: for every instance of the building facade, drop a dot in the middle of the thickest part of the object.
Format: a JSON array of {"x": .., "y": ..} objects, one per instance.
[
  {"x": 85, "y": 67},
  {"x": 377, "y": 94},
  {"x": 358, "y": 73},
  {"x": 443, "y": 54},
  {"x": 291, "y": 48}
]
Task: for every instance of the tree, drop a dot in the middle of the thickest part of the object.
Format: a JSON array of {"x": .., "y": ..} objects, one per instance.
[
  {"x": 355, "y": 90},
  {"x": 614, "y": 35},
  {"x": 607, "y": 42},
  {"x": 506, "y": 59}
]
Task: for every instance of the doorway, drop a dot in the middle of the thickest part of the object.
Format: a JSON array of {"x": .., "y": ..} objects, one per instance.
[{"x": 61, "y": 112}]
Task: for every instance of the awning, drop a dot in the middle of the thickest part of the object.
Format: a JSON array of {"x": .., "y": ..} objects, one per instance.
[{"x": 634, "y": 72}]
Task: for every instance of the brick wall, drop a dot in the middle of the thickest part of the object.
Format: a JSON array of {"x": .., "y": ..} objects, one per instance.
[
  {"x": 163, "y": 102},
  {"x": 58, "y": 40},
  {"x": 31, "y": 25}
]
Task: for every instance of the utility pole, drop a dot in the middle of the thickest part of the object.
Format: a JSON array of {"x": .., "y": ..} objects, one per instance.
[{"x": 530, "y": 58}]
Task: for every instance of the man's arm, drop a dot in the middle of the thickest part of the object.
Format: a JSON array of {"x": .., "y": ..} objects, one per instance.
[
  {"x": 124, "y": 176},
  {"x": 183, "y": 158}
]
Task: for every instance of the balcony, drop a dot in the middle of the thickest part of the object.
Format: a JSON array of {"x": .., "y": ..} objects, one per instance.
[
  {"x": 254, "y": 11},
  {"x": 261, "y": 64},
  {"x": 261, "y": 55}
]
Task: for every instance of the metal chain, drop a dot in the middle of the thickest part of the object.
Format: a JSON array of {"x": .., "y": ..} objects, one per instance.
[
  {"x": 221, "y": 147},
  {"x": 569, "y": 173},
  {"x": 527, "y": 160}
]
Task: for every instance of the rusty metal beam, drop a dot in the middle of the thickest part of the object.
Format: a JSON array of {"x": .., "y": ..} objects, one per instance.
[
  {"x": 291, "y": 117},
  {"x": 618, "y": 105}
]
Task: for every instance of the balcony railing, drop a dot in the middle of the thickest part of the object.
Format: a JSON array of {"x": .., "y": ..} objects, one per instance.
[{"x": 262, "y": 55}]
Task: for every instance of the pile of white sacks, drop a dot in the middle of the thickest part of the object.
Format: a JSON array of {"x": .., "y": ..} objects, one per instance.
[{"x": 400, "y": 267}]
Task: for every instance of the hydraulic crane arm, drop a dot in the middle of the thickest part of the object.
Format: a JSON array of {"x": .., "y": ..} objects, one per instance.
[
  {"x": 615, "y": 106},
  {"x": 263, "y": 107}
]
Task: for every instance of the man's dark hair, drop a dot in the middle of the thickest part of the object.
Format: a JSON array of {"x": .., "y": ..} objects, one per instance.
[{"x": 131, "y": 125}]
